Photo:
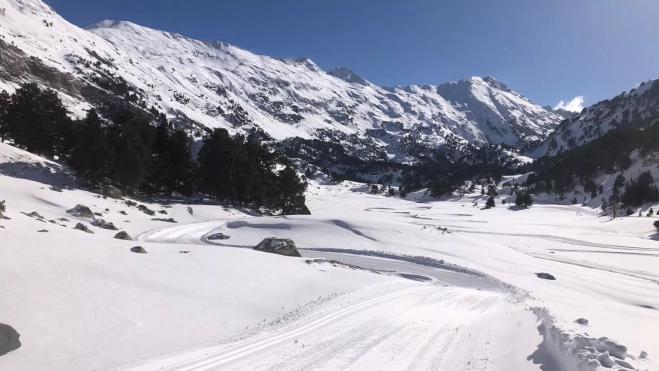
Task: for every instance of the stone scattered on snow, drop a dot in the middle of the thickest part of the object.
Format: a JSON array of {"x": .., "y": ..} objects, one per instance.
[
  {"x": 82, "y": 227},
  {"x": 82, "y": 211},
  {"x": 644, "y": 354},
  {"x": 281, "y": 246},
  {"x": 104, "y": 225},
  {"x": 55, "y": 189},
  {"x": 168, "y": 220},
  {"x": 138, "y": 250},
  {"x": 582, "y": 321},
  {"x": 546, "y": 276},
  {"x": 123, "y": 236},
  {"x": 43, "y": 231},
  {"x": 146, "y": 210},
  {"x": 8, "y": 339},
  {"x": 218, "y": 236},
  {"x": 112, "y": 192}
]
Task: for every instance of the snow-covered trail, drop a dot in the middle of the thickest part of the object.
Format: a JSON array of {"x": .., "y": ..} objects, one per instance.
[
  {"x": 396, "y": 327},
  {"x": 451, "y": 321}
]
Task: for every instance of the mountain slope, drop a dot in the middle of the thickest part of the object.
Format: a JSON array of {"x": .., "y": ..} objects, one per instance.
[
  {"x": 208, "y": 84},
  {"x": 631, "y": 107}
]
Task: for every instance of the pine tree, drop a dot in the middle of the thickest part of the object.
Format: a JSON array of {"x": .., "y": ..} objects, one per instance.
[
  {"x": 290, "y": 190},
  {"x": 5, "y": 99},
  {"x": 93, "y": 156},
  {"x": 524, "y": 199}
]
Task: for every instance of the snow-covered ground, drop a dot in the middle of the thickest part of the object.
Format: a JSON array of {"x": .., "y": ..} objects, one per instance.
[{"x": 84, "y": 301}]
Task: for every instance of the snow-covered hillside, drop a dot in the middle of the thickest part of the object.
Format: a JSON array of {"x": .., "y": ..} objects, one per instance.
[
  {"x": 630, "y": 107},
  {"x": 457, "y": 284},
  {"x": 214, "y": 84}
]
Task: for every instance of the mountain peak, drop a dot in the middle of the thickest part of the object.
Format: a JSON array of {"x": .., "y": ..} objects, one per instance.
[{"x": 348, "y": 75}]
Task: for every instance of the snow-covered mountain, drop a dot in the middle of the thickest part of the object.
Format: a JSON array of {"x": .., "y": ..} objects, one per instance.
[
  {"x": 560, "y": 111},
  {"x": 208, "y": 84},
  {"x": 631, "y": 107}
]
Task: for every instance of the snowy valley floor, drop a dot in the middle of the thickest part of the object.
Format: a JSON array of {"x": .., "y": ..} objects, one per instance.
[{"x": 85, "y": 302}]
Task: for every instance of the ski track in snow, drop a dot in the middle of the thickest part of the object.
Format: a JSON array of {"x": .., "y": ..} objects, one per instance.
[{"x": 422, "y": 327}]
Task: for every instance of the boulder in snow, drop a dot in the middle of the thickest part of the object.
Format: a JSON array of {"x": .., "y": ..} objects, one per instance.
[
  {"x": 82, "y": 211},
  {"x": 138, "y": 250},
  {"x": 82, "y": 227},
  {"x": 112, "y": 192},
  {"x": 123, "y": 236},
  {"x": 43, "y": 231},
  {"x": 281, "y": 246},
  {"x": 8, "y": 339},
  {"x": 218, "y": 236},
  {"x": 582, "y": 321},
  {"x": 644, "y": 354},
  {"x": 546, "y": 276},
  {"x": 104, "y": 225},
  {"x": 56, "y": 189}
]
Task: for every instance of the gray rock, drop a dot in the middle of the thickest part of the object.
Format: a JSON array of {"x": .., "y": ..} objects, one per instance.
[
  {"x": 8, "y": 339},
  {"x": 98, "y": 214},
  {"x": 112, "y": 192},
  {"x": 130, "y": 203},
  {"x": 123, "y": 212},
  {"x": 104, "y": 225},
  {"x": 281, "y": 246},
  {"x": 138, "y": 250},
  {"x": 43, "y": 231},
  {"x": 163, "y": 212},
  {"x": 168, "y": 220},
  {"x": 546, "y": 276},
  {"x": 123, "y": 236},
  {"x": 218, "y": 236},
  {"x": 582, "y": 321},
  {"x": 146, "y": 210},
  {"x": 82, "y": 227},
  {"x": 56, "y": 189},
  {"x": 63, "y": 220},
  {"x": 82, "y": 211},
  {"x": 644, "y": 354},
  {"x": 34, "y": 214}
]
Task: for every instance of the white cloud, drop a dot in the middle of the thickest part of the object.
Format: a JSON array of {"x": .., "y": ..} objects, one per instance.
[{"x": 575, "y": 105}]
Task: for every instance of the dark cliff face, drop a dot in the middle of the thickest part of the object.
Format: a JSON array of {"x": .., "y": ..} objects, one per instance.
[{"x": 18, "y": 67}]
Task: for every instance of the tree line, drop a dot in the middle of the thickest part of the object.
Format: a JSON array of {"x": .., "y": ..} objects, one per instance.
[{"x": 136, "y": 150}]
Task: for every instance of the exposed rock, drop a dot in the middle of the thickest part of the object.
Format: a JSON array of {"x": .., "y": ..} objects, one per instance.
[
  {"x": 34, "y": 214},
  {"x": 138, "y": 250},
  {"x": 163, "y": 212},
  {"x": 582, "y": 321},
  {"x": 546, "y": 276},
  {"x": 43, "y": 231},
  {"x": 281, "y": 246},
  {"x": 56, "y": 189},
  {"x": 63, "y": 220},
  {"x": 643, "y": 355},
  {"x": 130, "y": 203},
  {"x": 123, "y": 212},
  {"x": 169, "y": 220},
  {"x": 98, "y": 214},
  {"x": 123, "y": 236},
  {"x": 8, "y": 339},
  {"x": 112, "y": 192},
  {"x": 218, "y": 236},
  {"x": 146, "y": 210},
  {"x": 82, "y": 211},
  {"x": 184, "y": 252},
  {"x": 82, "y": 227},
  {"x": 104, "y": 225}
]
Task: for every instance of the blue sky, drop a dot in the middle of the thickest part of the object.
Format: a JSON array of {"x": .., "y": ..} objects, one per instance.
[{"x": 550, "y": 51}]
